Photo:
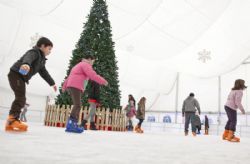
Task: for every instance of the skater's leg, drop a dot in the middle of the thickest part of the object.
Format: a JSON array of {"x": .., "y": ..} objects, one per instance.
[
  {"x": 232, "y": 127},
  {"x": 198, "y": 129},
  {"x": 21, "y": 116},
  {"x": 130, "y": 124},
  {"x": 192, "y": 115},
  {"x": 140, "y": 122},
  {"x": 227, "y": 127},
  {"x": 17, "y": 84},
  {"x": 233, "y": 122},
  {"x": 138, "y": 128},
  {"x": 72, "y": 125},
  {"x": 187, "y": 121},
  {"x": 92, "y": 115},
  {"x": 86, "y": 117},
  {"x": 92, "y": 109},
  {"x": 24, "y": 117},
  {"x": 127, "y": 122},
  {"x": 92, "y": 112},
  {"x": 76, "y": 98}
]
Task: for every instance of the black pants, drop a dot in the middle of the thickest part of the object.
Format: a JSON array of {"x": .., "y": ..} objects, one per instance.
[
  {"x": 140, "y": 122},
  {"x": 232, "y": 119},
  {"x": 18, "y": 86},
  {"x": 76, "y": 98}
]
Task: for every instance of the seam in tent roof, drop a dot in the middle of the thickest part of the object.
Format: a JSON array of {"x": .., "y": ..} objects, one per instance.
[
  {"x": 14, "y": 40},
  {"x": 167, "y": 34},
  {"x": 159, "y": 94},
  {"x": 121, "y": 9},
  {"x": 53, "y": 9},
  {"x": 145, "y": 20},
  {"x": 195, "y": 8},
  {"x": 28, "y": 11}
]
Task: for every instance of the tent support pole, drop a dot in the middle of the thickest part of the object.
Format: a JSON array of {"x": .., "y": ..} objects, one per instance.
[
  {"x": 177, "y": 96},
  {"x": 219, "y": 103}
]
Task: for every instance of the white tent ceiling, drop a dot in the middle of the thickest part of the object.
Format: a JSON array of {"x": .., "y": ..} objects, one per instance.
[{"x": 154, "y": 39}]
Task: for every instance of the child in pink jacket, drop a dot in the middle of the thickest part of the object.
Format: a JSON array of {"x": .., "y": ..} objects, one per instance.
[
  {"x": 231, "y": 106},
  {"x": 74, "y": 84},
  {"x": 130, "y": 113}
]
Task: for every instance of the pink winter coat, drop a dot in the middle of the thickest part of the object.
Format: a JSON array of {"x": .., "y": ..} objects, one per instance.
[
  {"x": 79, "y": 74},
  {"x": 130, "y": 109},
  {"x": 234, "y": 100}
]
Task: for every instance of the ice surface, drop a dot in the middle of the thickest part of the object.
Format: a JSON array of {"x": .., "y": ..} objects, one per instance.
[{"x": 52, "y": 145}]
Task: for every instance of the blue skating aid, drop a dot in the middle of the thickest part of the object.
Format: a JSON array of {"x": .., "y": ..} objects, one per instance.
[
  {"x": 23, "y": 71},
  {"x": 73, "y": 127}
]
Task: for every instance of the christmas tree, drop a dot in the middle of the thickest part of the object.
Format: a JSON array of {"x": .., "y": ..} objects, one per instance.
[{"x": 96, "y": 40}]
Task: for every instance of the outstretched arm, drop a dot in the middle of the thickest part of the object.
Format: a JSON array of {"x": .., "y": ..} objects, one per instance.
[
  {"x": 46, "y": 76},
  {"x": 89, "y": 71}
]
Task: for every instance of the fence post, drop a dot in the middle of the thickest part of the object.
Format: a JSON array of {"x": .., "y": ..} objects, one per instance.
[
  {"x": 61, "y": 117},
  {"x": 46, "y": 115},
  {"x": 103, "y": 118},
  {"x": 98, "y": 112},
  {"x": 106, "y": 121}
]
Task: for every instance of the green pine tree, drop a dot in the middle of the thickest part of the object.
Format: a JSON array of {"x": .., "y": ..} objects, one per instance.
[{"x": 96, "y": 39}]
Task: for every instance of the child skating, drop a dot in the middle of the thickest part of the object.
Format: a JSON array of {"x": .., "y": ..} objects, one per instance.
[
  {"x": 231, "y": 106},
  {"x": 94, "y": 101},
  {"x": 140, "y": 114},
  {"x": 32, "y": 62},
  {"x": 130, "y": 113},
  {"x": 197, "y": 123},
  {"x": 79, "y": 75},
  {"x": 206, "y": 125}
]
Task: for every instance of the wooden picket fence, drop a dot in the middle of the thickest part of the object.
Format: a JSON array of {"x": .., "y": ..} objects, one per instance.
[{"x": 57, "y": 116}]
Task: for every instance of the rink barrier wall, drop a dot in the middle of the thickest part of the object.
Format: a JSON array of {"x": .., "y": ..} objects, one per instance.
[{"x": 105, "y": 119}]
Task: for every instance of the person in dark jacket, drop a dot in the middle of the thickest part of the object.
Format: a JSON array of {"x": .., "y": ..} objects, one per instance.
[
  {"x": 94, "y": 101},
  {"x": 197, "y": 123},
  {"x": 189, "y": 107},
  {"x": 206, "y": 125},
  {"x": 140, "y": 114},
  {"x": 32, "y": 62}
]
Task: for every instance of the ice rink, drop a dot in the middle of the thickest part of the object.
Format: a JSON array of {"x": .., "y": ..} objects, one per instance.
[{"x": 43, "y": 145}]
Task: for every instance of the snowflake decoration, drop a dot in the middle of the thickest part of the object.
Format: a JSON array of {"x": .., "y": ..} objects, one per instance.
[
  {"x": 34, "y": 39},
  {"x": 204, "y": 55}
]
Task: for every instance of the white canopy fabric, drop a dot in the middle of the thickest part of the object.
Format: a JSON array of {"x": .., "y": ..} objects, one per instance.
[{"x": 154, "y": 40}]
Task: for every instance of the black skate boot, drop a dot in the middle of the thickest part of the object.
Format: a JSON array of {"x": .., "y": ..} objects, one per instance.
[{"x": 92, "y": 126}]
